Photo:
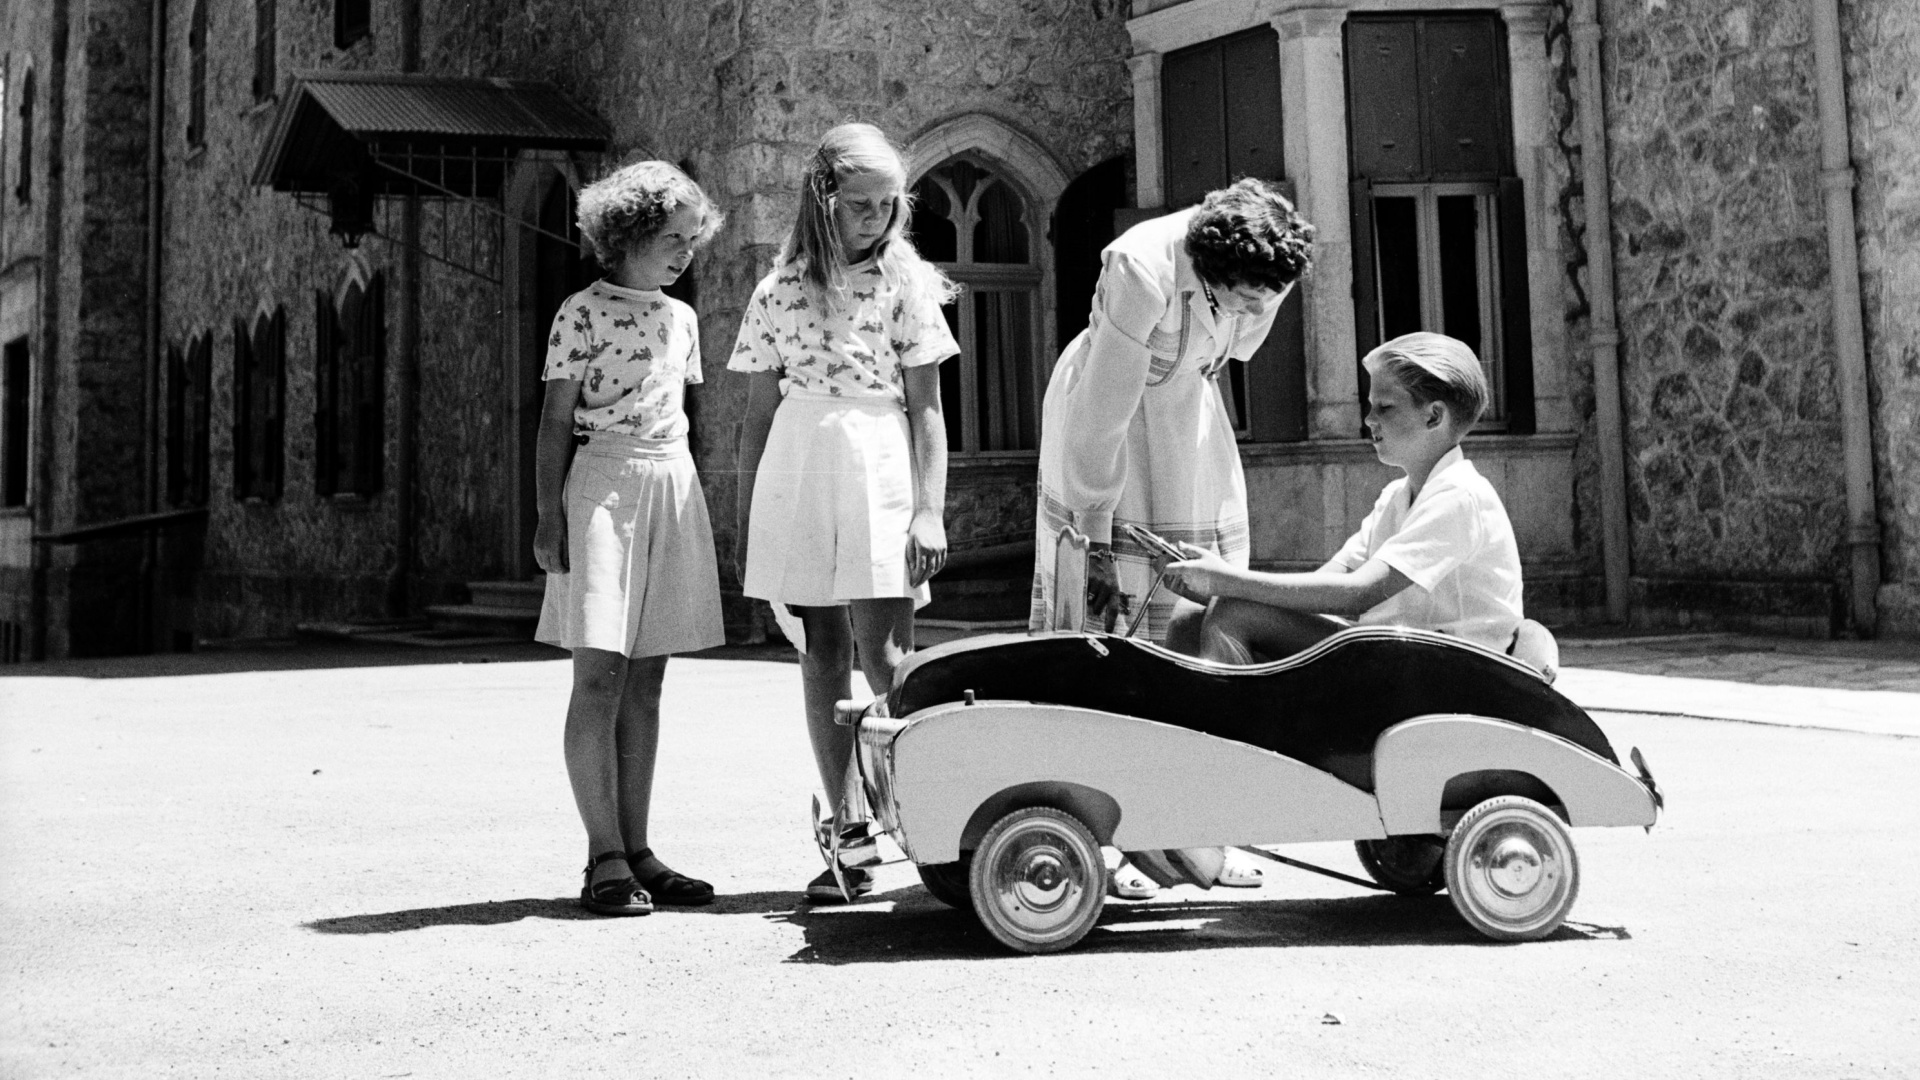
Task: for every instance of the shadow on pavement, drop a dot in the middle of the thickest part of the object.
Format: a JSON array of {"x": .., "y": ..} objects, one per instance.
[
  {"x": 566, "y": 908},
  {"x": 919, "y": 927}
]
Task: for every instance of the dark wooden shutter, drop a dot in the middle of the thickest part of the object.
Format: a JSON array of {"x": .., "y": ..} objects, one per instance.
[
  {"x": 1516, "y": 322},
  {"x": 1194, "y": 123},
  {"x": 1277, "y": 381},
  {"x": 243, "y": 419},
  {"x": 1467, "y": 122},
  {"x": 177, "y": 437},
  {"x": 270, "y": 361},
  {"x": 326, "y": 369},
  {"x": 370, "y": 401},
  {"x": 1366, "y": 286},
  {"x": 1383, "y": 99},
  {"x": 265, "y": 36},
  {"x": 200, "y": 401},
  {"x": 1250, "y": 84}
]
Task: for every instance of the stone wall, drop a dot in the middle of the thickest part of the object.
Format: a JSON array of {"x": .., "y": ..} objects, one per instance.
[
  {"x": 1719, "y": 240},
  {"x": 1881, "y": 40}
]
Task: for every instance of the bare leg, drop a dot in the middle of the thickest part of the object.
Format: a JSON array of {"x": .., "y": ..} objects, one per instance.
[
  {"x": 1239, "y": 631},
  {"x": 882, "y": 637},
  {"x": 638, "y": 738},
  {"x": 592, "y": 752},
  {"x": 824, "y": 671},
  {"x": 1184, "y": 628}
]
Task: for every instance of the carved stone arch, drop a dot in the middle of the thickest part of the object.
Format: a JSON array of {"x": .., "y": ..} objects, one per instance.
[{"x": 1031, "y": 167}]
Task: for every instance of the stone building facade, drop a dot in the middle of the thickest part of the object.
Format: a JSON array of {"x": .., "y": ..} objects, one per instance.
[{"x": 175, "y": 330}]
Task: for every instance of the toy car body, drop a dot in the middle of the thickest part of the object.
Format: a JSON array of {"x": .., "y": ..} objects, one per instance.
[{"x": 1000, "y": 765}]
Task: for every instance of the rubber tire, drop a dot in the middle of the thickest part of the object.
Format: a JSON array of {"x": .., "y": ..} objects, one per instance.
[
  {"x": 1472, "y": 889},
  {"x": 1060, "y": 841},
  {"x": 947, "y": 882},
  {"x": 1407, "y": 865}
]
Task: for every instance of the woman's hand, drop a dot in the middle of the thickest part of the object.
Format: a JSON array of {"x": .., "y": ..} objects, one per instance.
[
  {"x": 926, "y": 547},
  {"x": 1199, "y": 577},
  {"x": 550, "y": 544},
  {"x": 1105, "y": 601}
]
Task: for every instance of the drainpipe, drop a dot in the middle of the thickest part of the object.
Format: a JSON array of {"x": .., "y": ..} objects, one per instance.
[
  {"x": 150, "y": 443},
  {"x": 1850, "y": 361},
  {"x": 1603, "y": 325},
  {"x": 407, "y": 329},
  {"x": 40, "y": 491}
]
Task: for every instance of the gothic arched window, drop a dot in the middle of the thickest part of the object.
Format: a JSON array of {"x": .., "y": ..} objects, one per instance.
[{"x": 976, "y": 226}]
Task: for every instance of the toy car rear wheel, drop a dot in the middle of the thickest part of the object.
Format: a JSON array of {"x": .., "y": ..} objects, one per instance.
[
  {"x": 948, "y": 882},
  {"x": 1511, "y": 869},
  {"x": 1408, "y": 865},
  {"x": 1038, "y": 881}
]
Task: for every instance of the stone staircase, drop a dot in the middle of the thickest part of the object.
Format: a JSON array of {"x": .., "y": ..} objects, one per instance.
[{"x": 496, "y": 609}]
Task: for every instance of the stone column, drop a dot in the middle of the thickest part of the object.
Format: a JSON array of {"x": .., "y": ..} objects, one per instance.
[
  {"x": 1534, "y": 162},
  {"x": 1313, "y": 103},
  {"x": 1150, "y": 177}
]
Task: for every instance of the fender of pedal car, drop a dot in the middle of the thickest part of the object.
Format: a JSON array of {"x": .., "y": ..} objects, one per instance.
[
  {"x": 1429, "y": 764},
  {"x": 954, "y": 769}
]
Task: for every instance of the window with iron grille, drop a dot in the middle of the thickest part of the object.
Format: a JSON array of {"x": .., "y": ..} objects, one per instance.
[
  {"x": 259, "y": 401},
  {"x": 1439, "y": 232},
  {"x": 197, "y": 75},
  {"x": 349, "y": 422},
  {"x": 973, "y": 224},
  {"x": 189, "y": 403},
  {"x": 352, "y": 20},
  {"x": 266, "y": 75},
  {"x": 1220, "y": 105},
  {"x": 16, "y": 412}
]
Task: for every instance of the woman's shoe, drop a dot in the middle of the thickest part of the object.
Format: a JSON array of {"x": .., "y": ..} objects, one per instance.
[
  {"x": 669, "y": 886},
  {"x": 1128, "y": 883},
  {"x": 825, "y": 890},
  {"x": 1240, "y": 871},
  {"x": 614, "y": 896}
]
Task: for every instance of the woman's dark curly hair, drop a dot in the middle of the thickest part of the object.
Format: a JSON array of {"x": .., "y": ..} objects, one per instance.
[
  {"x": 1247, "y": 233},
  {"x": 631, "y": 206}
]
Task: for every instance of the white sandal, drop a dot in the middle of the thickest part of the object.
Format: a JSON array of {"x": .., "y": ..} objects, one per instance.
[
  {"x": 1128, "y": 883},
  {"x": 1240, "y": 872}
]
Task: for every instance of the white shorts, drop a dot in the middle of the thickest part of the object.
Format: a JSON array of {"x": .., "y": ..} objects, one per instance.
[
  {"x": 832, "y": 502},
  {"x": 642, "y": 579}
]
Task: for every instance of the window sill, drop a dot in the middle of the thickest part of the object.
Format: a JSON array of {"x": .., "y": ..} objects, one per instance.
[
  {"x": 264, "y": 106},
  {"x": 1330, "y": 451},
  {"x": 194, "y": 155},
  {"x": 350, "y": 501}
]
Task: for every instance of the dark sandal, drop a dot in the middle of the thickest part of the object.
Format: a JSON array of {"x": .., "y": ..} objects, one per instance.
[
  {"x": 615, "y": 896},
  {"x": 670, "y": 886}
]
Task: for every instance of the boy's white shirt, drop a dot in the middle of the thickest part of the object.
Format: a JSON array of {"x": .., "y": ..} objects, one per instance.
[{"x": 1455, "y": 543}]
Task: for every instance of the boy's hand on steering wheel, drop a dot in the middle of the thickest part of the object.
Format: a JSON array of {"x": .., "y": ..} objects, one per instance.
[{"x": 1198, "y": 576}]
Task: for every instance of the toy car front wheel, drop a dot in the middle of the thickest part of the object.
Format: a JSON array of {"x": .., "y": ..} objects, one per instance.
[
  {"x": 1038, "y": 881},
  {"x": 1408, "y": 865},
  {"x": 948, "y": 882},
  {"x": 1511, "y": 869}
]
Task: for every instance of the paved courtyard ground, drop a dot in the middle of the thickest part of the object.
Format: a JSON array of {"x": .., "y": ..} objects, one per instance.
[{"x": 325, "y": 861}]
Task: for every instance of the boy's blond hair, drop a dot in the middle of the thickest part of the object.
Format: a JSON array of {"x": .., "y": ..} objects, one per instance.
[
  {"x": 1435, "y": 367},
  {"x": 630, "y": 206}
]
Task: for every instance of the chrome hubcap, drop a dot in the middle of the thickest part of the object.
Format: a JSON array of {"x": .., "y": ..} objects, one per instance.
[
  {"x": 1040, "y": 879},
  {"x": 1516, "y": 872}
]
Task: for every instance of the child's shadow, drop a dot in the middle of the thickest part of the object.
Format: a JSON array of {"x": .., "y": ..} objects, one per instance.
[
  {"x": 496, "y": 912},
  {"x": 921, "y": 928}
]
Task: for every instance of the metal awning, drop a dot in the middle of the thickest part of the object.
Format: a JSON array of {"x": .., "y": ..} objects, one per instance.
[
  {"x": 347, "y": 144},
  {"x": 436, "y": 135}
]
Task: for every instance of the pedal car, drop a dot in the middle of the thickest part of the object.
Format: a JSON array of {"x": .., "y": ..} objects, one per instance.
[{"x": 1001, "y": 765}]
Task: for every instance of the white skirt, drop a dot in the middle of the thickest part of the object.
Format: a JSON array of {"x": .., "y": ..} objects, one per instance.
[
  {"x": 642, "y": 579},
  {"x": 832, "y": 503}
]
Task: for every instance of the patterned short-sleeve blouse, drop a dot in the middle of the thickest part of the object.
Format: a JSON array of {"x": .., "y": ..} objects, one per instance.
[
  {"x": 857, "y": 351},
  {"x": 633, "y": 351}
]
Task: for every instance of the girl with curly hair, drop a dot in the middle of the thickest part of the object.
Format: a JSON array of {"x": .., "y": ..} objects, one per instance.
[
  {"x": 1134, "y": 430},
  {"x": 843, "y": 451},
  {"x": 623, "y": 532}
]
